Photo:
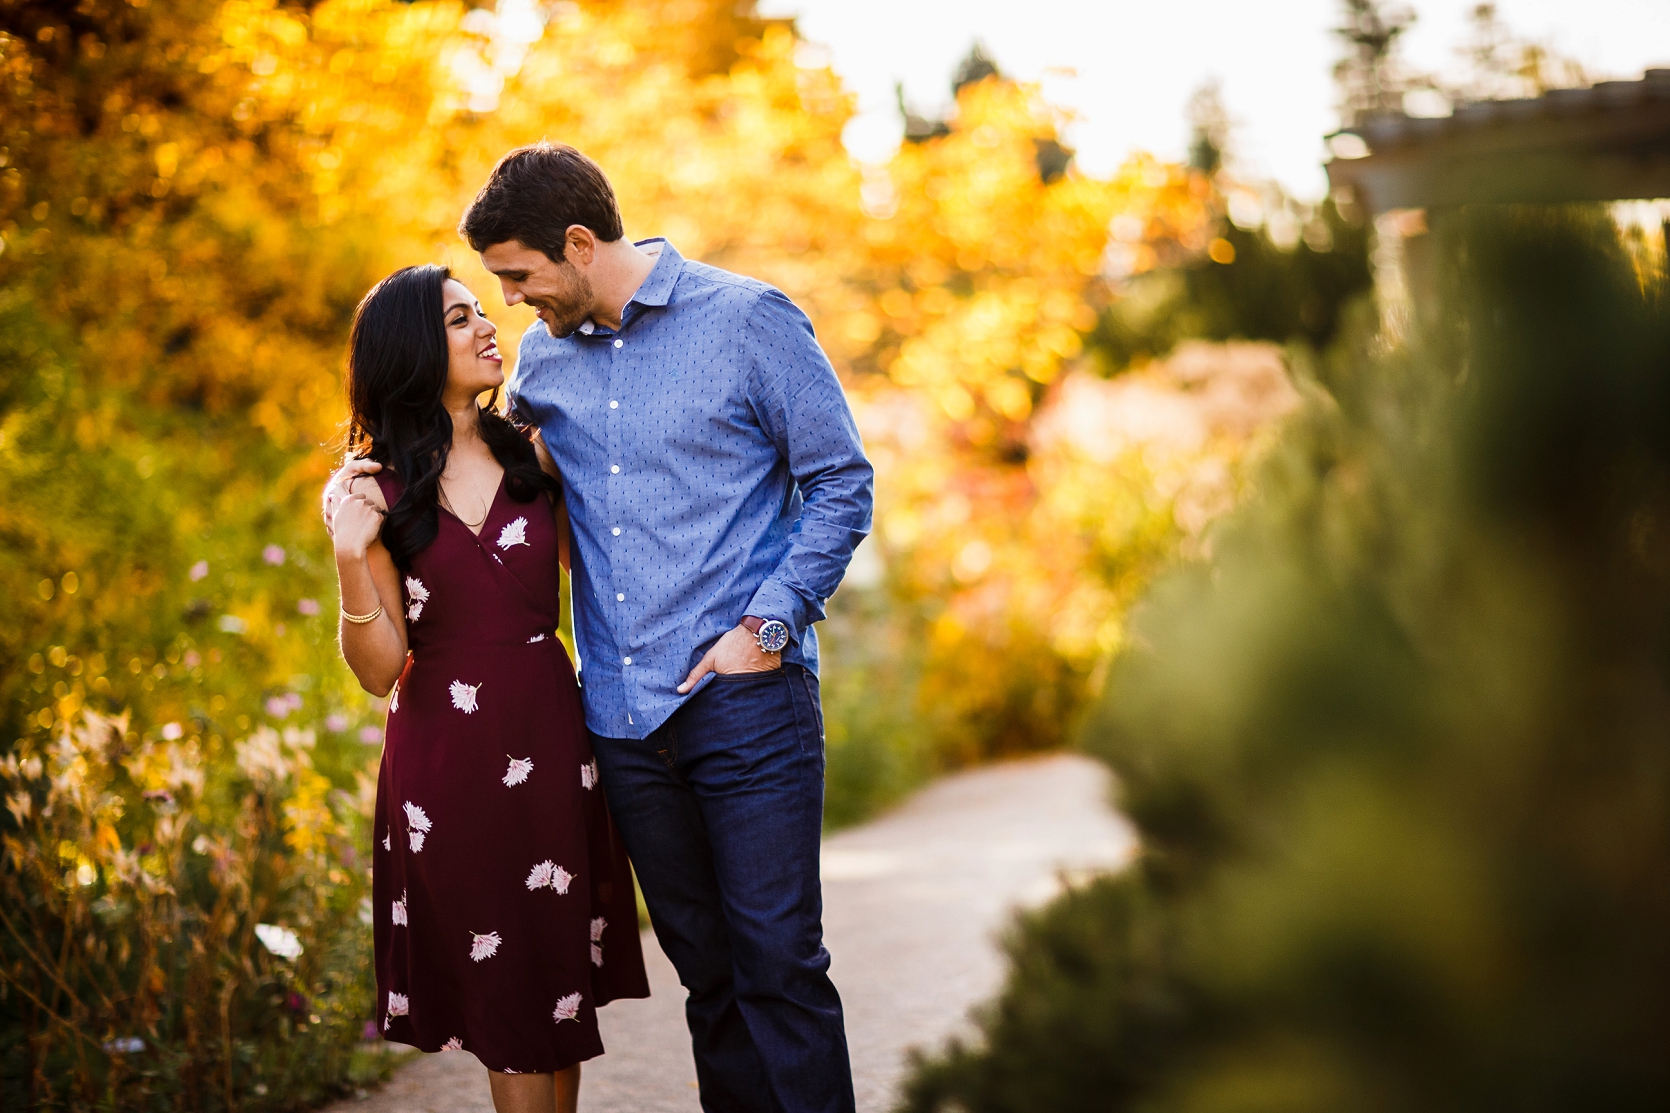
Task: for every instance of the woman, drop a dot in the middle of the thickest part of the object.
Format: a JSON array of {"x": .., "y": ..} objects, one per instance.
[{"x": 504, "y": 912}]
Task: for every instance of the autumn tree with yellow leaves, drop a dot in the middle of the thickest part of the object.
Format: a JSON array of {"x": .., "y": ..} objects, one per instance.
[{"x": 193, "y": 196}]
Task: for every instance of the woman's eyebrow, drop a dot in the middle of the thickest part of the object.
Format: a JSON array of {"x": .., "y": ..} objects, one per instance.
[{"x": 456, "y": 305}]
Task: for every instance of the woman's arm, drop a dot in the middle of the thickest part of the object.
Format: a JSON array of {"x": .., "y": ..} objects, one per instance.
[
  {"x": 374, "y": 650},
  {"x": 560, "y": 508}
]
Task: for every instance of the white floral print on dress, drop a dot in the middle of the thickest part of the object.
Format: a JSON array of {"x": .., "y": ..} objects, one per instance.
[
  {"x": 549, "y": 875},
  {"x": 398, "y": 1004},
  {"x": 454, "y": 1044},
  {"x": 536, "y": 638},
  {"x": 515, "y": 533},
  {"x": 417, "y": 825},
  {"x": 568, "y": 1008},
  {"x": 398, "y": 916},
  {"x": 588, "y": 774},
  {"x": 463, "y": 696},
  {"x": 484, "y": 946},
  {"x": 596, "y": 956},
  {"x": 519, "y": 769},
  {"x": 598, "y": 923},
  {"x": 419, "y": 595},
  {"x": 394, "y": 698},
  {"x": 387, "y": 845}
]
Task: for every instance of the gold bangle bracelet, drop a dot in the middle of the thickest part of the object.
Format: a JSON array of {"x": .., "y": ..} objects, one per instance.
[{"x": 362, "y": 619}]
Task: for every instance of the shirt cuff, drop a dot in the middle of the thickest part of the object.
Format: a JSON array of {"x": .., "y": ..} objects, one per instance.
[{"x": 773, "y": 600}]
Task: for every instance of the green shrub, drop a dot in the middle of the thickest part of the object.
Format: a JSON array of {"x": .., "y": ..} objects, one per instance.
[
  {"x": 142, "y": 849},
  {"x": 1397, "y": 750}
]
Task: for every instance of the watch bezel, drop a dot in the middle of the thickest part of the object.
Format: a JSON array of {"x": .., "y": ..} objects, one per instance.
[{"x": 779, "y": 634}]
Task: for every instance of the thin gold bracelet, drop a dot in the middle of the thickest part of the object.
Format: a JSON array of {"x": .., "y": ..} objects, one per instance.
[{"x": 362, "y": 619}]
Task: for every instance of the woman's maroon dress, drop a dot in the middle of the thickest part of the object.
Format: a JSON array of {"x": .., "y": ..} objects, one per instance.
[{"x": 504, "y": 912}]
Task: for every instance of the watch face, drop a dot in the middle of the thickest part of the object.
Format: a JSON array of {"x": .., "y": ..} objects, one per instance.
[{"x": 774, "y": 635}]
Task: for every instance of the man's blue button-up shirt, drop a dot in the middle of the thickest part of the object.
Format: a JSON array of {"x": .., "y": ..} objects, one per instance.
[{"x": 712, "y": 469}]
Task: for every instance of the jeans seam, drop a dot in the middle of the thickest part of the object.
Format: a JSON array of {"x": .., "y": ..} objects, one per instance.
[
  {"x": 669, "y": 752},
  {"x": 799, "y": 725},
  {"x": 812, "y": 702}
]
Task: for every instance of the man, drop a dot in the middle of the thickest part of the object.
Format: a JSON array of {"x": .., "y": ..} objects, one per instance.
[{"x": 717, "y": 488}]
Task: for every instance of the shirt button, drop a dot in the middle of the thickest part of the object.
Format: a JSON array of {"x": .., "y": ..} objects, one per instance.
[
  {"x": 615, "y": 531},
  {"x": 620, "y": 598},
  {"x": 614, "y": 405},
  {"x": 628, "y": 660},
  {"x": 620, "y": 343},
  {"x": 614, "y": 469}
]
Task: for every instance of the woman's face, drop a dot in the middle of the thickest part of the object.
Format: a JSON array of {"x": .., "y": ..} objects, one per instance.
[{"x": 473, "y": 363}]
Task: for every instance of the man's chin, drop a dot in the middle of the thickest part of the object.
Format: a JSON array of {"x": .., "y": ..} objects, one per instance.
[{"x": 562, "y": 330}]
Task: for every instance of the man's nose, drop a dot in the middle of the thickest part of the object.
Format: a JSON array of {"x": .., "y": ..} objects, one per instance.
[{"x": 512, "y": 295}]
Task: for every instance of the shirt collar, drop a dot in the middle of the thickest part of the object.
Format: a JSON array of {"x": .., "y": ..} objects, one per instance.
[{"x": 657, "y": 288}]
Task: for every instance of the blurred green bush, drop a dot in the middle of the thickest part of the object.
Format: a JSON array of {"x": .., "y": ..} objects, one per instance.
[{"x": 1397, "y": 749}]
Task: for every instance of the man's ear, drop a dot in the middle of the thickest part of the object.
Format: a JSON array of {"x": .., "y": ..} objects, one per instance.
[{"x": 582, "y": 245}]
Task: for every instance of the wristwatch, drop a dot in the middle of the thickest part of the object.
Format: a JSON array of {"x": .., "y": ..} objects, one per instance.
[{"x": 769, "y": 633}]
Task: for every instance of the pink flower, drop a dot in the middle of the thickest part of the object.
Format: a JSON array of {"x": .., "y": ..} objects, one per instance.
[
  {"x": 199, "y": 571},
  {"x": 307, "y": 606},
  {"x": 568, "y": 1008},
  {"x": 273, "y": 555},
  {"x": 371, "y": 735}
]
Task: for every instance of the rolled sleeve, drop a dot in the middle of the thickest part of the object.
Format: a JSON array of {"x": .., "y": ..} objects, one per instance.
[{"x": 799, "y": 402}]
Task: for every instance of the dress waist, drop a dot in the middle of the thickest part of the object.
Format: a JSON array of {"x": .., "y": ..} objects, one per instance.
[{"x": 446, "y": 647}]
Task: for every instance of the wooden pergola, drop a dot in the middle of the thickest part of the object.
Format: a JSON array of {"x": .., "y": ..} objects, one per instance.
[{"x": 1608, "y": 142}]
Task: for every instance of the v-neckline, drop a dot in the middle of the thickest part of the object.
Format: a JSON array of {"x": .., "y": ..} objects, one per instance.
[{"x": 491, "y": 506}]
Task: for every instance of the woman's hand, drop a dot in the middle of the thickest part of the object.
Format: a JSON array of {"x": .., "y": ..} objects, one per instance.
[
  {"x": 342, "y": 484},
  {"x": 355, "y": 526}
]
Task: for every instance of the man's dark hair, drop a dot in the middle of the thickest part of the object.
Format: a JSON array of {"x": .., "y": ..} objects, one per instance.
[{"x": 534, "y": 194}]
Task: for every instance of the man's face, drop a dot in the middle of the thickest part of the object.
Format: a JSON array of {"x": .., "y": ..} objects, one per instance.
[{"x": 559, "y": 292}]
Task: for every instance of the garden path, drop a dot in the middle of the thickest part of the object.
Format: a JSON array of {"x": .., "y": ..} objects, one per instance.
[{"x": 913, "y": 903}]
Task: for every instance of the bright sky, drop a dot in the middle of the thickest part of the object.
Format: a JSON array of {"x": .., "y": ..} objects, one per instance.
[{"x": 1138, "y": 61}]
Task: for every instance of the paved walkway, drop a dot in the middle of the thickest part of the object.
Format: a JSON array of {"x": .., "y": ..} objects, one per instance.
[{"x": 913, "y": 902}]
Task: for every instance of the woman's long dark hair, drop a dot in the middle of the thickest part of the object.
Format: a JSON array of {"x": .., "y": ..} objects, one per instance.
[{"x": 397, "y": 370}]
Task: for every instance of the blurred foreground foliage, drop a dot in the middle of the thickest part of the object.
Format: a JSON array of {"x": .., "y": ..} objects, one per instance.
[{"x": 1396, "y": 750}]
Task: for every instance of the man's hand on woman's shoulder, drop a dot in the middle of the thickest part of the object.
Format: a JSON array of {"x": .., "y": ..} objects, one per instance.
[{"x": 338, "y": 488}]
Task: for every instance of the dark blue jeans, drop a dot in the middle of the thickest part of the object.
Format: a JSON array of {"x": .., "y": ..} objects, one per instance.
[{"x": 722, "y": 812}]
